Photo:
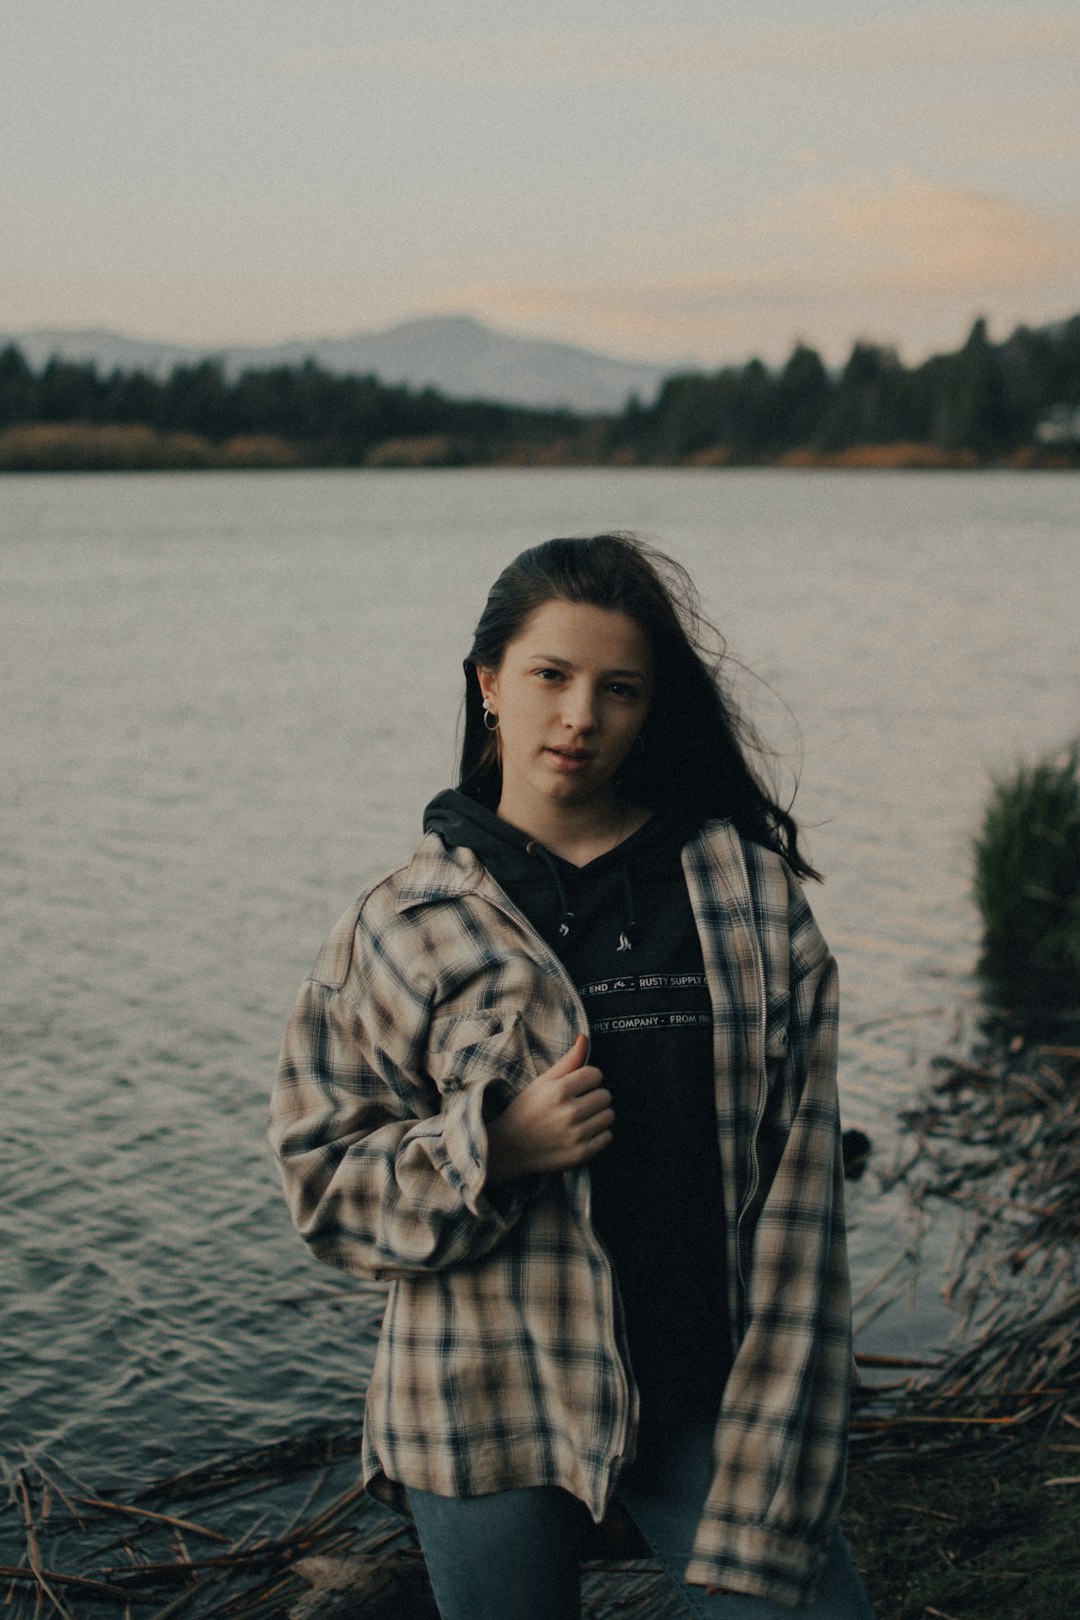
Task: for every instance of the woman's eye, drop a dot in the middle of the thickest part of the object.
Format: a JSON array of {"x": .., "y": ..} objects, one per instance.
[
  {"x": 549, "y": 674},
  {"x": 623, "y": 690}
]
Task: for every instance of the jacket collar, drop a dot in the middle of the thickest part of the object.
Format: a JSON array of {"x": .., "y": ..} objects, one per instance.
[{"x": 438, "y": 873}]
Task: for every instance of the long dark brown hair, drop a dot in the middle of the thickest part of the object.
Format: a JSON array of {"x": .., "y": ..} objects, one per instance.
[{"x": 695, "y": 749}]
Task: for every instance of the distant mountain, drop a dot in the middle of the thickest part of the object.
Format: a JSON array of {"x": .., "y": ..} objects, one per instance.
[{"x": 453, "y": 353}]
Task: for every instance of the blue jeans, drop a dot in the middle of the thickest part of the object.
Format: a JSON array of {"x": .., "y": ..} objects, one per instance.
[{"x": 516, "y": 1555}]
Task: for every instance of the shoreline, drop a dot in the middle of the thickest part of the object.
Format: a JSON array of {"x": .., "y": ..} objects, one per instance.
[{"x": 134, "y": 447}]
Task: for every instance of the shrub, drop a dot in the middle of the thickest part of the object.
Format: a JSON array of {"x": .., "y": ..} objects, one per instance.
[
  {"x": 1027, "y": 878},
  {"x": 98, "y": 447}
]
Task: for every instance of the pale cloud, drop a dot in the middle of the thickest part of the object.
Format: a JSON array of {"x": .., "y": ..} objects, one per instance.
[
  {"x": 909, "y": 233},
  {"x": 825, "y": 263}
]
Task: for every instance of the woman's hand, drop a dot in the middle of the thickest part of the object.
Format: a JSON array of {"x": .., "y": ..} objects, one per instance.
[{"x": 562, "y": 1118}]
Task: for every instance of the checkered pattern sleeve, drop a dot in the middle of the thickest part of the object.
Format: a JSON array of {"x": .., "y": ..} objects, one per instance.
[
  {"x": 782, "y": 1431},
  {"x": 377, "y": 1116}
]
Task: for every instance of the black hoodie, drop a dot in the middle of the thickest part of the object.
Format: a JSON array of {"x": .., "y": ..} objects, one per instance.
[{"x": 623, "y": 926}]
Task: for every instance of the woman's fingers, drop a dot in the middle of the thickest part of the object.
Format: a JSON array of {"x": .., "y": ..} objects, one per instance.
[
  {"x": 593, "y": 1102},
  {"x": 563, "y": 1118},
  {"x": 578, "y": 1107},
  {"x": 581, "y": 1096},
  {"x": 588, "y": 1150},
  {"x": 577, "y": 1082},
  {"x": 590, "y": 1118}
]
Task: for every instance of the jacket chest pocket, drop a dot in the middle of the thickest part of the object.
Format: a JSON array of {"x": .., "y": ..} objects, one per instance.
[
  {"x": 777, "y": 1017},
  {"x": 476, "y": 1048},
  {"x": 782, "y": 1083},
  {"x": 777, "y": 1037},
  {"x": 776, "y": 1047}
]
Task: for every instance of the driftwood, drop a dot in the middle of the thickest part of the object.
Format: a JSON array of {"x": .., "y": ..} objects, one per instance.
[{"x": 393, "y": 1584}]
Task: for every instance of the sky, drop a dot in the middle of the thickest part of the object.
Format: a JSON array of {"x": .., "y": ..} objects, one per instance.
[{"x": 695, "y": 181}]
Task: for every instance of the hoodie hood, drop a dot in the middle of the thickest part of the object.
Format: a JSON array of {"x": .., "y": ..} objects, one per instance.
[
  {"x": 513, "y": 858},
  {"x": 554, "y": 891},
  {"x": 462, "y": 823}
]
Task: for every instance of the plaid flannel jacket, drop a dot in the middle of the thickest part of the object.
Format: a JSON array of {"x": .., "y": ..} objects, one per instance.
[{"x": 501, "y": 1361}]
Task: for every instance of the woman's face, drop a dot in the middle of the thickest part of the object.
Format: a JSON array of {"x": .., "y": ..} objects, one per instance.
[{"x": 571, "y": 695}]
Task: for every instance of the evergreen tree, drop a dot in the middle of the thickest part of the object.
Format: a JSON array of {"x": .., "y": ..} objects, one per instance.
[
  {"x": 980, "y": 420},
  {"x": 803, "y": 392},
  {"x": 17, "y": 388},
  {"x": 68, "y": 391}
]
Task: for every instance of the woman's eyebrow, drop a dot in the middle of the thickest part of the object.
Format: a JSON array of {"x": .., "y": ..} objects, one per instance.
[{"x": 566, "y": 663}]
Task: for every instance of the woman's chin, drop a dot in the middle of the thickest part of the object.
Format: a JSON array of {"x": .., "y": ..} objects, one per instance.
[{"x": 578, "y": 793}]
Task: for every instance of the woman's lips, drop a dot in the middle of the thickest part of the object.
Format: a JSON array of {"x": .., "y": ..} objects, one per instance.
[{"x": 570, "y": 759}]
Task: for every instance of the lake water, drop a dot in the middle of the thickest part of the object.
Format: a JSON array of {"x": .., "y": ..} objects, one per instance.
[{"x": 226, "y": 700}]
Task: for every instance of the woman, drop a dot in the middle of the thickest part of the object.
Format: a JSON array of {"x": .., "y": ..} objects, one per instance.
[{"x": 567, "y": 1081}]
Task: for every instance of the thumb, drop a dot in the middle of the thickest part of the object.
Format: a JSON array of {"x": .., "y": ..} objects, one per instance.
[{"x": 573, "y": 1059}]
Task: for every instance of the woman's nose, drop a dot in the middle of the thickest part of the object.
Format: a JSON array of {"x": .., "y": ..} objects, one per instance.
[{"x": 579, "y": 710}]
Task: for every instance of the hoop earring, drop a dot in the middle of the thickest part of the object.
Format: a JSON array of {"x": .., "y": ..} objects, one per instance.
[{"x": 489, "y": 716}]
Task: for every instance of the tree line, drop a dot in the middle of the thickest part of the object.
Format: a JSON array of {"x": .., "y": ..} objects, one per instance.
[
  {"x": 331, "y": 420},
  {"x": 980, "y": 405},
  {"x": 985, "y": 399}
]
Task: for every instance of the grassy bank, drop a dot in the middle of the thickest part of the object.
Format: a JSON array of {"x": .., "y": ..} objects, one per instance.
[
  {"x": 964, "y": 1495},
  {"x": 133, "y": 447},
  {"x": 980, "y": 1533}
]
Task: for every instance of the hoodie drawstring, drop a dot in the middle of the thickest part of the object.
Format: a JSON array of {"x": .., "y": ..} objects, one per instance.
[
  {"x": 566, "y": 916},
  {"x": 625, "y": 941}
]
